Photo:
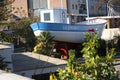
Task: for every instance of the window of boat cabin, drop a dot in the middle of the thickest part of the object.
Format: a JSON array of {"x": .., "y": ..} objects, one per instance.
[{"x": 46, "y": 16}]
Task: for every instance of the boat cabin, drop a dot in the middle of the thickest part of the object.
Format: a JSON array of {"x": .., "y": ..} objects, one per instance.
[{"x": 54, "y": 15}]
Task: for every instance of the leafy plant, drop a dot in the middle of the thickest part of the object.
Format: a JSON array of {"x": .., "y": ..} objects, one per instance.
[{"x": 94, "y": 67}]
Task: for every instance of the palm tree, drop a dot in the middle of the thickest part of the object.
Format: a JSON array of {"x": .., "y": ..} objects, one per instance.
[
  {"x": 44, "y": 45},
  {"x": 45, "y": 37}
]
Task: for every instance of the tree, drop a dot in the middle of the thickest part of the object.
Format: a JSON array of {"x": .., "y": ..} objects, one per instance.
[
  {"x": 4, "y": 13},
  {"x": 23, "y": 33},
  {"x": 94, "y": 67},
  {"x": 5, "y": 9},
  {"x": 8, "y": 2}
]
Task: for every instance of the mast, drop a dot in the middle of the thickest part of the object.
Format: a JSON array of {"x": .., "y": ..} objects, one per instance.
[
  {"x": 87, "y": 9},
  {"x": 62, "y": 4}
]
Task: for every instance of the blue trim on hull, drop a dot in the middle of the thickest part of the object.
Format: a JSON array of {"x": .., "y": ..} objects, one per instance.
[{"x": 63, "y": 27}]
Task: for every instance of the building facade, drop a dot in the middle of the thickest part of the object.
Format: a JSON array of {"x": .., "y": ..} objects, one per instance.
[
  {"x": 20, "y": 8},
  {"x": 57, "y": 4},
  {"x": 76, "y": 10}
]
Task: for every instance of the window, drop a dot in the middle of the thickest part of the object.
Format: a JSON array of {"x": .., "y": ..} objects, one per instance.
[
  {"x": 76, "y": 7},
  {"x": 46, "y": 16},
  {"x": 72, "y": 6}
]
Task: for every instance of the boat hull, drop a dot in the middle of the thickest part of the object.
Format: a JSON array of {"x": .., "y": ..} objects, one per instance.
[{"x": 67, "y": 32}]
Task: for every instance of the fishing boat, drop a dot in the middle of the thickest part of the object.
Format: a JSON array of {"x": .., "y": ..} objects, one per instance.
[{"x": 74, "y": 33}]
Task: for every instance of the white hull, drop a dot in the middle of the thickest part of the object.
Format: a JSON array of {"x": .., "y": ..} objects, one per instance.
[{"x": 73, "y": 37}]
